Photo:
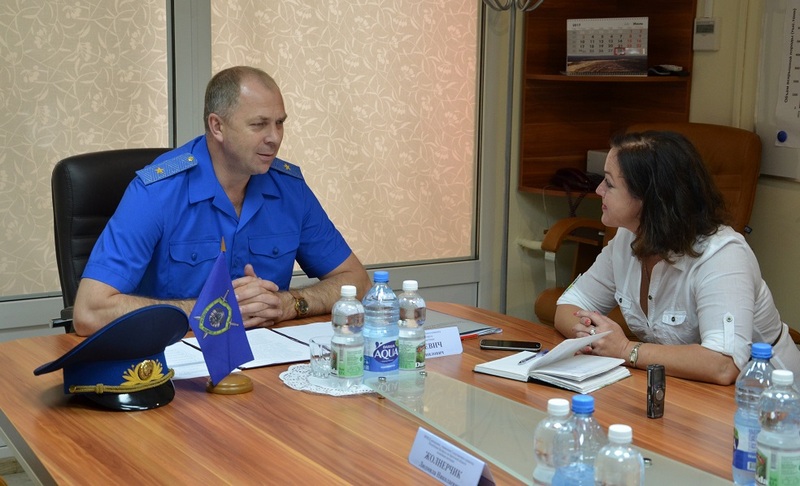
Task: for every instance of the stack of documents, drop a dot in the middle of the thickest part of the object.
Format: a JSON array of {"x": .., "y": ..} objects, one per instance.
[
  {"x": 270, "y": 347},
  {"x": 466, "y": 329}
]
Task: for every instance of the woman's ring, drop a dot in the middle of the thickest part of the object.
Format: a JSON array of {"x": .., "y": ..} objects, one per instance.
[{"x": 591, "y": 331}]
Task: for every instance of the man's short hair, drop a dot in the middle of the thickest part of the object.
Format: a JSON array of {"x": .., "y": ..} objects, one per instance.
[{"x": 222, "y": 92}]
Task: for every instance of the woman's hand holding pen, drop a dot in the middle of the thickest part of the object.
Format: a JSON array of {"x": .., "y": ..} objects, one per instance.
[{"x": 592, "y": 322}]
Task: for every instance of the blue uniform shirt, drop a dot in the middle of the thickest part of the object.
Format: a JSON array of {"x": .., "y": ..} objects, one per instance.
[{"x": 165, "y": 235}]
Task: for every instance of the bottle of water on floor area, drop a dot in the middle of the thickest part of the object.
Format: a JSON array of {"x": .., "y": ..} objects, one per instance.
[
  {"x": 347, "y": 344},
  {"x": 381, "y": 313},
  {"x": 544, "y": 439},
  {"x": 778, "y": 449},
  {"x": 411, "y": 342},
  {"x": 753, "y": 379},
  {"x": 575, "y": 452},
  {"x": 618, "y": 463}
]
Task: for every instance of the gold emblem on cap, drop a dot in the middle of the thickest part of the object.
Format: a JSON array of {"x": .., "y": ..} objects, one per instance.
[{"x": 144, "y": 372}]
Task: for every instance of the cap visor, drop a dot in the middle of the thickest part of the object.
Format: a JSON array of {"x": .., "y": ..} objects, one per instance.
[{"x": 140, "y": 400}]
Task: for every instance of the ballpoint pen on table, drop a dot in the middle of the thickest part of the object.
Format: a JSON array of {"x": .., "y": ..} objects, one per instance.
[
  {"x": 534, "y": 355},
  {"x": 482, "y": 332}
]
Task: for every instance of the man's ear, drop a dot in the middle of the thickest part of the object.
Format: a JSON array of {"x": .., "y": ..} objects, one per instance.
[{"x": 215, "y": 124}]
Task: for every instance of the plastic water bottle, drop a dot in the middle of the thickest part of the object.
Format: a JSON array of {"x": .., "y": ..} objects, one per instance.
[
  {"x": 753, "y": 379},
  {"x": 575, "y": 452},
  {"x": 778, "y": 450},
  {"x": 411, "y": 342},
  {"x": 544, "y": 439},
  {"x": 381, "y": 313},
  {"x": 619, "y": 464},
  {"x": 347, "y": 344}
]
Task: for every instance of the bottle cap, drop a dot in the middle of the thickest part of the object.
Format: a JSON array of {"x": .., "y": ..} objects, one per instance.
[
  {"x": 558, "y": 407},
  {"x": 348, "y": 291},
  {"x": 620, "y": 433},
  {"x": 782, "y": 377},
  {"x": 410, "y": 286},
  {"x": 381, "y": 276},
  {"x": 582, "y": 404},
  {"x": 761, "y": 351}
]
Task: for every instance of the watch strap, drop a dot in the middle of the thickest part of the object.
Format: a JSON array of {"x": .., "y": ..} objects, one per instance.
[{"x": 634, "y": 356}]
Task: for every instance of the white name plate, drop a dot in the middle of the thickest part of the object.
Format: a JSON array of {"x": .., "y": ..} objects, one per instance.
[
  {"x": 446, "y": 462},
  {"x": 442, "y": 342}
]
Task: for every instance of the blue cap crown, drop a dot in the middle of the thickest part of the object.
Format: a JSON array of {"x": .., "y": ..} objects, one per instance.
[
  {"x": 381, "y": 276},
  {"x": 123, "y": 365}
]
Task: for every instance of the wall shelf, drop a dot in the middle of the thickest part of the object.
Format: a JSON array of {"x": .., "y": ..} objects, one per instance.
[
  {"x": 565, "y": 116},
  {"x": 563, "y": 78}
]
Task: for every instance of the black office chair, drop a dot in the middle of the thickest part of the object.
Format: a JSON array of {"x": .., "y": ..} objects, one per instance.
[{"x": 86, "y": 191}]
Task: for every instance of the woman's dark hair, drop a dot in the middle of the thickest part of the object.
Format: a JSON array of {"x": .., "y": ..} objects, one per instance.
[{"x": 680, "y": 202}]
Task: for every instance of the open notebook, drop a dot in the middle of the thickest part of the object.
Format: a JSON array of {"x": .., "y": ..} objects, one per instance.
[{"x": 561, "y": 367}]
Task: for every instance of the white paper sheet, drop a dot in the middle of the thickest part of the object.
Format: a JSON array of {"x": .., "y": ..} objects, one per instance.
[
  {"x": 305, "y": 332},
  {"x": 187, "y": 361}
]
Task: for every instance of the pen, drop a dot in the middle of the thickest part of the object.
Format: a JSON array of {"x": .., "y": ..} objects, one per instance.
[
  {"x": 525, "y": 360},
  {"x": 482, "y": 332}
]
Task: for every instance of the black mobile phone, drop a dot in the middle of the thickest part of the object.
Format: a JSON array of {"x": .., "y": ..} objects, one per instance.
[
  {"x": 656, "y": 390},
  {"x": 510, "y": 345}
]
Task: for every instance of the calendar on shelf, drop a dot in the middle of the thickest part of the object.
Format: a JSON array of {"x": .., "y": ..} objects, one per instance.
[{"x": 607, "y": 47}]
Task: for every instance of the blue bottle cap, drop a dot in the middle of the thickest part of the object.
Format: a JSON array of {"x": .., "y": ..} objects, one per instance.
[
  {"x": 582, "y": 404},
  {"x": 761, "y": 351},
  {"x": 381, "y": 276}
]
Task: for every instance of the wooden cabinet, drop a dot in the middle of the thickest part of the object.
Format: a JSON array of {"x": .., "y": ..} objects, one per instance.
[{"x": 564, "y": 116}]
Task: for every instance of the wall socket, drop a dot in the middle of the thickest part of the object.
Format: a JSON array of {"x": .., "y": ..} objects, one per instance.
[{"x": 706, "y": 34}]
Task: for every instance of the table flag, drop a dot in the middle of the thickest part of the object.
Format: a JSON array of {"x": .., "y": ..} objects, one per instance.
[{"x": 217, "y": 323}]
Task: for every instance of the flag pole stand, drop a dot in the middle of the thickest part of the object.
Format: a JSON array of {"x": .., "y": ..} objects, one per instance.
[{"x": 233, "y": 384}]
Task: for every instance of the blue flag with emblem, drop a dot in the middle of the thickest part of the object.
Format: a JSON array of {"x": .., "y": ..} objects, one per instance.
[{"x": 217, "y": 323}]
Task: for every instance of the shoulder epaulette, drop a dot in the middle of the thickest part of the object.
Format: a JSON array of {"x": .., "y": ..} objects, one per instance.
[
  {"x": 286, "y": 168},
  {"x": 156, "y": 172}
]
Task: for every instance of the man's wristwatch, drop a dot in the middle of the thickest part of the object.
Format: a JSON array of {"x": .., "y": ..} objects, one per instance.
[{"x": 300, "y": 304}]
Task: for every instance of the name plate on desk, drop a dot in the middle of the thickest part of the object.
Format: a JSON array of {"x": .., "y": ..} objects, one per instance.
[
  {"x": 445, "y": 462},
  {"x": 442, "y": 342}
]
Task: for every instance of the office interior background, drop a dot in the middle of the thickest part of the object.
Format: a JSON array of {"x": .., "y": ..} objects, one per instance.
[{"x": 399, "y": 116}]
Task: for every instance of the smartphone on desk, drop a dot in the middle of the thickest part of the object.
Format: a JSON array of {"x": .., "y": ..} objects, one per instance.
[{"x": 510, "y": 345}]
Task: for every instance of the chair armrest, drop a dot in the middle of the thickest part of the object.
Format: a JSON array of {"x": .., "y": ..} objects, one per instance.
[
  {"x": 64, "y": 321},
  {"x": 564, "y": 229}
]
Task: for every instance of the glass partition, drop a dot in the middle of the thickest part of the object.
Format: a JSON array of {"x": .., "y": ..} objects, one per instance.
[{"x": 499, "y": 429}]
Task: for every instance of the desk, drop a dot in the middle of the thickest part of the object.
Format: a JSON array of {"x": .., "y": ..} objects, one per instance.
[{"x": 278, "y": 435}]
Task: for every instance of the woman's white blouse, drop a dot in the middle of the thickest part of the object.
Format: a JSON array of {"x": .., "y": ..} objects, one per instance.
[{"x": 717, "y": 299}]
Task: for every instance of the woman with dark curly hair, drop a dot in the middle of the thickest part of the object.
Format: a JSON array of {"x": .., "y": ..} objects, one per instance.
[{"x": 688, "y": 285}]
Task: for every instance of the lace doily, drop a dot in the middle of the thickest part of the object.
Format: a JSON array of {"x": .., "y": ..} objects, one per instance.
[{"x": 299, "y": 377}]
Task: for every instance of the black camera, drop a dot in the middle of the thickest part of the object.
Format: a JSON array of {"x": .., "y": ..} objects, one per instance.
[{"x": 656, "y": 390}]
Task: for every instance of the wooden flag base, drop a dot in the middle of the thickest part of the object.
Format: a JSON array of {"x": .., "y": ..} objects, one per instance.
[{"x": 233, "y": 384}]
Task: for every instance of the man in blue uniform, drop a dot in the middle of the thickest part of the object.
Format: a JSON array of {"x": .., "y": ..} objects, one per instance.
[{"x": 166, "y": 234}]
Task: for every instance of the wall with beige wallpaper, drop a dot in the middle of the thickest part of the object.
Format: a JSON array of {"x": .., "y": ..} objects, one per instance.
[
  {"x": 381, "y": 102},
  {"x": 74, "y": 77}
]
